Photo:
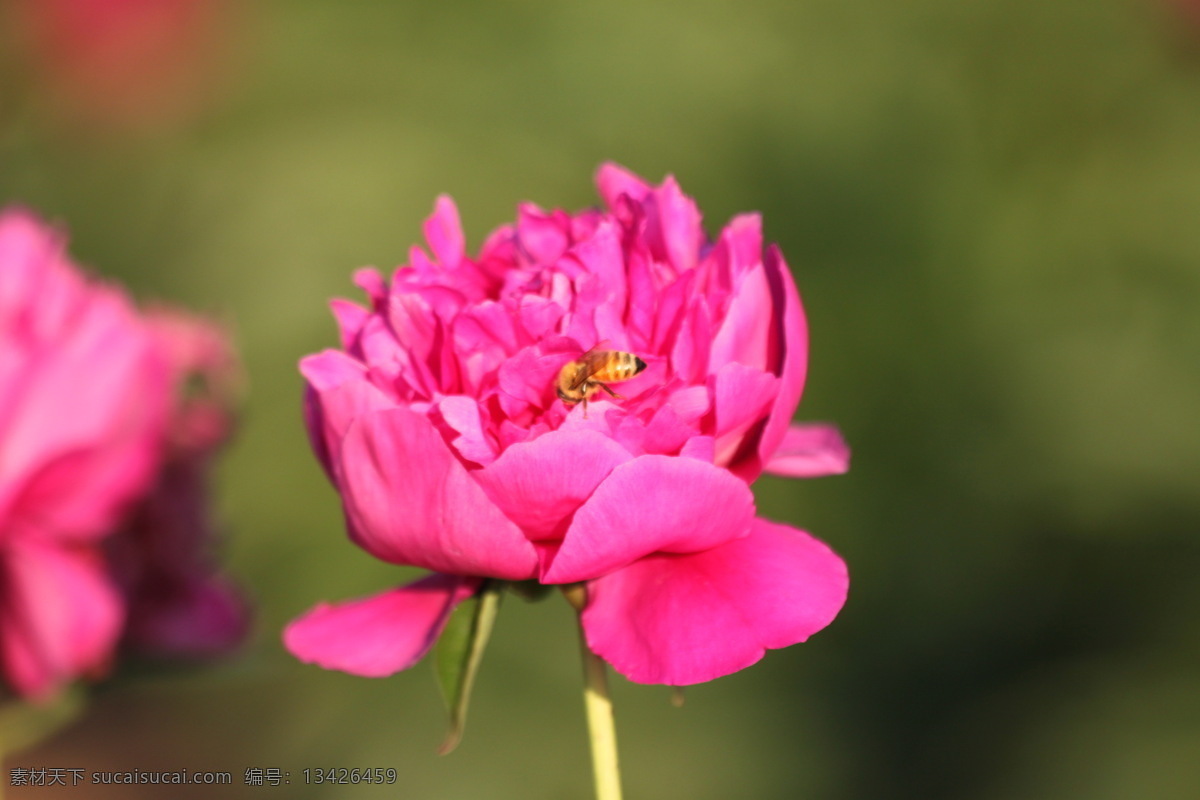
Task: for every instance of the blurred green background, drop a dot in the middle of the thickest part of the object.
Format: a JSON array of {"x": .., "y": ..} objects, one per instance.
[{"x": 993, "y": 213}]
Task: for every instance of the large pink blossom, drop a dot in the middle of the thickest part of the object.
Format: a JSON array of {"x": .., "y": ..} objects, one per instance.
[
  {"x": 439, "y": 425},
  {"x": 83, "y": 401}
]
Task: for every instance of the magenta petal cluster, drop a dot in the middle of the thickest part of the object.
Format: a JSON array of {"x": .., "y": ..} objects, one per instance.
[
  {"x": 88, "y": 417},
  {"x": 438, "y": 423}
]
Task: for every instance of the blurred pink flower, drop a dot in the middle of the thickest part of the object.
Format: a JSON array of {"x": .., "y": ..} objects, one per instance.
[
  {"x": 109, "y": 421},
  {"x": 83, "y": 401},
  {"x": 439, "y": 424},
  {"x": 179, "y": 605},
  {"x": 125, "y": 63}
]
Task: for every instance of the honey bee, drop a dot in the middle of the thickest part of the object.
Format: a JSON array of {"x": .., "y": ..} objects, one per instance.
[{"x": 579, "y": 380}]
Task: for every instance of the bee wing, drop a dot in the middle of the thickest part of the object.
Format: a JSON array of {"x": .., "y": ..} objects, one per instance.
[
  {"x": 600, "y": 349},
  {"x": 595, "y": 359}
]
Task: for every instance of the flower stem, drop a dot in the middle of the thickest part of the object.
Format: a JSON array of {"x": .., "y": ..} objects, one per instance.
[{"x": 602, "y": 731}]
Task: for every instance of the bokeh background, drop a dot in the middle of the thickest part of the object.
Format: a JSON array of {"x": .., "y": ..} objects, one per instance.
[{"x": 993, "y": 213}]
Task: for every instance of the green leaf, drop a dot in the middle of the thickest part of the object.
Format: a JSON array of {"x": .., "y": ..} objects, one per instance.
[{"x": 458, "y": 653}]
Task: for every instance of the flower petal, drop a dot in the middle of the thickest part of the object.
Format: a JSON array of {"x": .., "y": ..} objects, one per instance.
[
  {"x": 76, "y": 463},
  {"x": 673, "y": 226},
  {"x": 462, "y": 415},
  {"x": 680, "y": 620},
  {"x": 372, "y": 283},
  {"x": 613, "y": 180},
  {"x": 793, "y": 334},
  {"x": 381, "y": 635},
  {"x": 747, "y": 334},
  {"x": 337, "y": 393},
  {"x": 540, "y": 484},
  {"x": 351, "y": 317},
  {"x": 810, "y": 451},
  {"x": 60, "y": 616},
  {"x": 601, "y": 257},
  {"x": 443, "y": 230},
  {"x": 650, "y": 504},
  {"x": 412, "y": 502},
  {"x": 543, "y": 236},
  {"x": 741, "y": 397},
  {"x": 526, "y": 380}
]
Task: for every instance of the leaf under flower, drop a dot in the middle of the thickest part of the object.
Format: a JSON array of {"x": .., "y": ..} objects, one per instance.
[{"x": 459, "y": 653}]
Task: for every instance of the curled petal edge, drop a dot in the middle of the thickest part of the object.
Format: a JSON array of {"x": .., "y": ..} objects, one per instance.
[{"x": 377, "y": 636}]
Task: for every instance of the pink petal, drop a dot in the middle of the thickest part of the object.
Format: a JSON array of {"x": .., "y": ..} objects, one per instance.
[
  {"x": 738, "y": 249},
  {"x": 540, "y": 484},
  {"x": 667, "y": 431},
  {"x": 600, "y": 255},
  {"x": 443, "y": 231},
  {"x": 672, "y": 309},
  {"x": 461, "y": 414},
  {"x": 484, "y": 335},
  {"x": 370, "y": 281},
  {"x": 50, "y": 418},
  {"x": 613, "y": 181},
  {"x": 642, "y": 294},
  {"x": 79, "y": 461},
  {"x": 748, "y": 333},
  {"x": 674, "y": 226},
  {"x": 810, "y": 451},
  {"x": 381, "y": 635},
  {"x": 60, "y": 616},
  {"x": 680, "y": 620},
  {"x": 538, "y": 316},
  {"x": 491, "y": 322},
  {"x": 413, "y": 322},
  {"x": 793, "y": 332},
  {"x": 701, "y": 447},
  {"x": 690, "y": 403},
  {"x": 329, "y": 369},
  {"x": 338, "y": 392},
  {"x": 650, "y": 504},
  {"x": 30, "y": 252},
  {"x": 498, "y": 253},
  {"x": 412, "y": 502},
  {"x": 690, "y": 351},
  {"x": 542, "y": 236},
  {"x": 741, "y": 397},
  {"x": 350, "y": 319},
  {"x": 527, "y": 379}
]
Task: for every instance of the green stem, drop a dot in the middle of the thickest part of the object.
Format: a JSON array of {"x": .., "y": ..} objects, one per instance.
[{"x": 602, "y": 731}]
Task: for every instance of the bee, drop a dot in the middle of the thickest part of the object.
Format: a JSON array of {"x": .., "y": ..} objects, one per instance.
[{"x": 579, "y": 380}]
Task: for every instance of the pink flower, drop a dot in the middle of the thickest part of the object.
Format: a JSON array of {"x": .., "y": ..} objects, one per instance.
[
  {"x": 124, "y": 63},
  {"x": 109, "y": 421},
  {"x": 439, "y": 424},
  {"x": 178, "y": 603},
  {"x": 83, "y": 400}
]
